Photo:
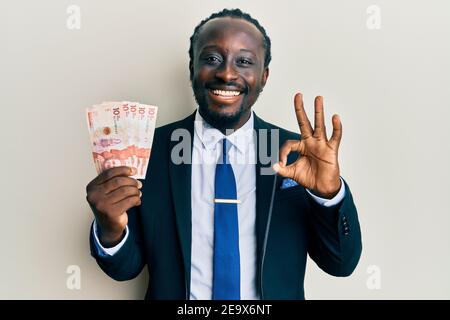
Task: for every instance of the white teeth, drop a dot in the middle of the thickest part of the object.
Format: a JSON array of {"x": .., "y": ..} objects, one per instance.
[{"x": 226, "y": 93}]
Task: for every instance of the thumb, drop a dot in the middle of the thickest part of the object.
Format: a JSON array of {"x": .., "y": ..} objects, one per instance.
[{"x": 285, "y": 171}]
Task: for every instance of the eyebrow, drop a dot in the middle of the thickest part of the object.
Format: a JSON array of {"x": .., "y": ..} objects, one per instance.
[
  {"x": 213, "y": 46},
  {"x": 247, "y": 50}
]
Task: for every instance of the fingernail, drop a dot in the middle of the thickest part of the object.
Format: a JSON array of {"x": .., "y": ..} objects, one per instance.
[
  {"x": 133, "y": 171},
  {"x": 139, "y": 184},
  {"x": 276, "y": 167},
  {"x": 140, "y": 194}
]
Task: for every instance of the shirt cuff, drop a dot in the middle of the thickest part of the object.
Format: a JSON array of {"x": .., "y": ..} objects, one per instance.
[
  {"x": 105, "y": 252},
  {"x": 330, "y": 202}
]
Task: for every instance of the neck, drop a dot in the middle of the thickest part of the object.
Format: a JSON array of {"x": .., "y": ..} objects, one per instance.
[
  {"x": 229, "y": 128},
  {"x": 242, "y": 120}
]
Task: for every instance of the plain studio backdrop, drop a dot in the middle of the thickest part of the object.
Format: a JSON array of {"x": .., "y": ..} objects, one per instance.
[{"x": 384, "y": 66}]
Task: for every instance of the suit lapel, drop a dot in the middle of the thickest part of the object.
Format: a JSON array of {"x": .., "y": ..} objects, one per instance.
[
  {"x": 180, "y": 178},
  {"x": 264, "y": 183}
]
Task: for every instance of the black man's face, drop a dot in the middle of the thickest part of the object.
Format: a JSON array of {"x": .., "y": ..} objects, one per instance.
[{"x": 228, "y": 71}]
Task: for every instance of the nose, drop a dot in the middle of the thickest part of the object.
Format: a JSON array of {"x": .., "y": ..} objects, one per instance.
[{"x": 226, "y": 72}]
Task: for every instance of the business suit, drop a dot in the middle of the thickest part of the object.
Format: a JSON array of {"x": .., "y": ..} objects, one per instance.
[{"x": 160, "y": 229}]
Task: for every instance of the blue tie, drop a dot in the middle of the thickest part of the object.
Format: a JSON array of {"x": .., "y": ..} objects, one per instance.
[{"x": 227, "y": 275}]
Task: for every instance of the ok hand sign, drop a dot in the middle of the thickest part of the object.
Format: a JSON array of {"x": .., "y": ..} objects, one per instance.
[{"x": 317, "y": 166}]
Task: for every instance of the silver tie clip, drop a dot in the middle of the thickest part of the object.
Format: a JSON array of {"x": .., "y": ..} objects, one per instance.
[{"x": 227, "y": 201}]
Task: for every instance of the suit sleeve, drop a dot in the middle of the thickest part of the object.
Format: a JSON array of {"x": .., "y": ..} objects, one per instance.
[
  {"x": 335, "y": 236},
  {"x": 129, "y": 261}
]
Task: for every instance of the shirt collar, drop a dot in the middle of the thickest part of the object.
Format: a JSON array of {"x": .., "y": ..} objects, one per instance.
[{"x": 210, "y": 136}]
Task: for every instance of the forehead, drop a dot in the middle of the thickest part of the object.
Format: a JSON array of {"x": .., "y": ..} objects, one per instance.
[{"x": 228, "y": 32}]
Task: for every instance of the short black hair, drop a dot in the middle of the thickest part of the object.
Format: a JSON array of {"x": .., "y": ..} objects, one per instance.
[{"x": 232, "y": 13}]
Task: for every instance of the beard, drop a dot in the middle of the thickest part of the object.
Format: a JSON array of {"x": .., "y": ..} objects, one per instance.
[{"x": 218, "y": 120}]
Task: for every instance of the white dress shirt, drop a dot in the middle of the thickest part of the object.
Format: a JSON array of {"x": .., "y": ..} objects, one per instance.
[
  {"x": 207, "y": 149},
  {"x": 208, "y": 146}
]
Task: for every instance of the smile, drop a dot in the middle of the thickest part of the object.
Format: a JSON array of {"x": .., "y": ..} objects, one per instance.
[
  {"x": 224, "y": 97},
  {"x": 223, "y": 93}
]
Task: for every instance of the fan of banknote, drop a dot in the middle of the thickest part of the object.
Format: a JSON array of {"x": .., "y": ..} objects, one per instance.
[{"x": 121, "y": 134}]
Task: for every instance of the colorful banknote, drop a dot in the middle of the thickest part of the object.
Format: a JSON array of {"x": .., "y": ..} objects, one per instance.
[{"x": 121, "y": 134}]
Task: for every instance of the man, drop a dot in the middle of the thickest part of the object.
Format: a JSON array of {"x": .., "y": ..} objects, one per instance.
[{"x": 228, "y": 229}]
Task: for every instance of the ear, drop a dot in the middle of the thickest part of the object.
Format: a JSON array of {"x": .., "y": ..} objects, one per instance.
[
  {"x": 264, "y": 77},
  {"x": 191, "y": 70}
]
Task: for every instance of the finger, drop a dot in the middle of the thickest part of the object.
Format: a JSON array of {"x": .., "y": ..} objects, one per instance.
[
  {"x": 114, "y": 172},
  {"x": 285, "y": 171},
  {"x": 127, "y": 203},
  {"x": 288, "y": 147},
  {"x": 335, "y": 139},
  {"x": 122, "y": 193},
  {"x": 302, "y": 118},
  {"x": 118, "y": 182},
  {"x": 319, "y": 119}
]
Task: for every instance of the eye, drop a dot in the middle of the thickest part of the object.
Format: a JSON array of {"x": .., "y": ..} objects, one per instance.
[
  {"x": 245, "y": 61},
  {"x": 212, "y": 60}
]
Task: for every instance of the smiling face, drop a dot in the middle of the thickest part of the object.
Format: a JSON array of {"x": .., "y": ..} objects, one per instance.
[{"x": 228, "y": 71}]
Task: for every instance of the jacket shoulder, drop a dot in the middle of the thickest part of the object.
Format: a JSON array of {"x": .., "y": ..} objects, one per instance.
[
  {"x": 284, "y": 134},
  {"x": 287, "y": 135},
  {"x": 165, "y": 131}
]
